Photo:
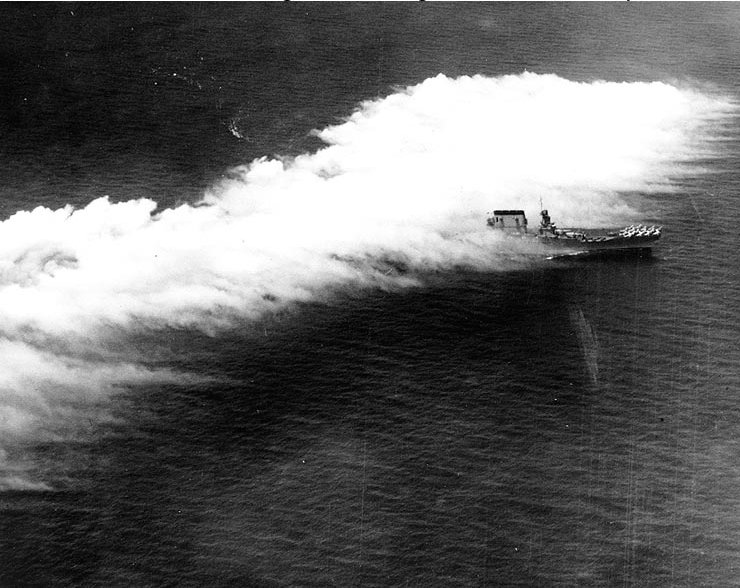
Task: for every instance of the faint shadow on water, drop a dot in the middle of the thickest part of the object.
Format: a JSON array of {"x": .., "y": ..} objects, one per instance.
[
  {"x": 469, "y": 431},
  {"x": 338, "y": 436}
]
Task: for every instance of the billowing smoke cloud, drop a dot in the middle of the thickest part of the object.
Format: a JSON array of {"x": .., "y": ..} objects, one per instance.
[
  {"x": 405, "y": 181},
  {"x": 407, "y": 178}
]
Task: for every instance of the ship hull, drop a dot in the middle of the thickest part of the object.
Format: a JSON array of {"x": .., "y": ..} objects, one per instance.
[
  {"x": 568, "y": 241},
  {"x": 599, "y": 243}
]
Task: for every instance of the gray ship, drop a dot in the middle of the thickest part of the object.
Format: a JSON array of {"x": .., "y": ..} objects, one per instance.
[{"x": 634, "y": 237}]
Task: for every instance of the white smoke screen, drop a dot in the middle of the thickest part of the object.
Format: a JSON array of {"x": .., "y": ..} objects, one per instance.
[{"x": 406, "y": 179}]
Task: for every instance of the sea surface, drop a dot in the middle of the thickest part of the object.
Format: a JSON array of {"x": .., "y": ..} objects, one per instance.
[{"x": 262, "y": 361}]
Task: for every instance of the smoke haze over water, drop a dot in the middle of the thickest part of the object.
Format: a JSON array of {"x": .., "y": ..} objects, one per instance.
[{"x": 406, "y": 179}]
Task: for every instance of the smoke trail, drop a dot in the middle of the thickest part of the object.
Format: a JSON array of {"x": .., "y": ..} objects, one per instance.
[
  {"x": 407, "y": 177},
  {"x": 404, "y": 181}
]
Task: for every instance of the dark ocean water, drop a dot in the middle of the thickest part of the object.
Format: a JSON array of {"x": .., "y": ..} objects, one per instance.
[{"x": 553, "y": 423}]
